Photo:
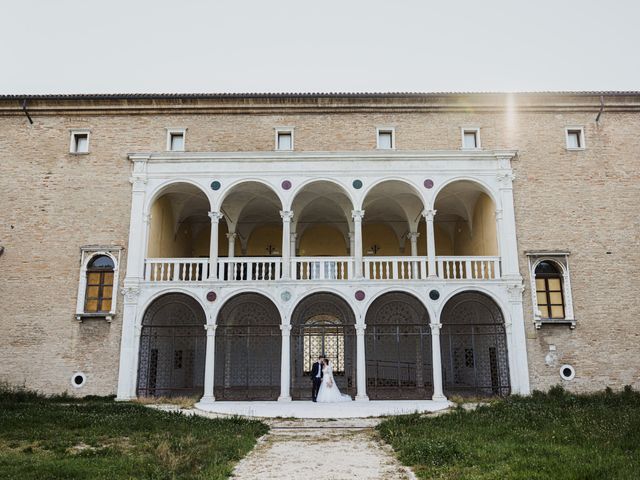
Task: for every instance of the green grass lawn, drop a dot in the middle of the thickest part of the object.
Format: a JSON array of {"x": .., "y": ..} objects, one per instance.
[
  {"x": 545, "y": 436},
  {"x": 63, "y": 438}
]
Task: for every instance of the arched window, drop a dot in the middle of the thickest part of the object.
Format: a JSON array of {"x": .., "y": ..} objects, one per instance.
[
  {"x": 549, "y": 290},
  {"x": 99, "y": 292}
]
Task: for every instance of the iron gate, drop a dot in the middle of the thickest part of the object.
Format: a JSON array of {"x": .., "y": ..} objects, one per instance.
[
  {"x": 323, "y": 324},
  {"x": 248, "y": 345},
  {"x": 172, "y": 348},
  {"x": 398, "y": 348},
  {"x": 474, "y": 347}
]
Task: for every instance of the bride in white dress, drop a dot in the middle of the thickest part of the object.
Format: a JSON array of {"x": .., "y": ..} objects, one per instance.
[{"x": 329, "y": 391}]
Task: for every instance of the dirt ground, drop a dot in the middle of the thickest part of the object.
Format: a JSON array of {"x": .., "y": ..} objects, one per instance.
[{"x": 321, "y": 450}]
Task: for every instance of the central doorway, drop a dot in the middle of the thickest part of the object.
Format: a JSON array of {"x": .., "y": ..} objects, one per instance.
[{"x": 322, "y": 324}]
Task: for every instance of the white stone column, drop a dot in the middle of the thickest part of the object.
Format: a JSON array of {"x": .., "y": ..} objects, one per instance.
[
  {"x": 286, "y": 243},
  {"x": 361, "y": 365},
  {"x": 294, "y": 239},
  {"x": 285, "y": 365},
  {"x": 517, "y": 341},
  {"x": 413, "y": 238},
  {"x": 137, "y": 223},
  {"x": 352, "y": 243},
  {"x": 357, "y": 230},
  {"x": 499, "y": 228},
  {"x": 129, "y": 345},
  {"x": 431, "y": 242},
  {"x": 231, "y": 237},
  {"x": 438, "y": 393},
  {"x": 507, "y": 233},
  {"x": 213, "y": 245},
  {"x": 138, "y": 226},
  {"x": 209, "y": 364}
]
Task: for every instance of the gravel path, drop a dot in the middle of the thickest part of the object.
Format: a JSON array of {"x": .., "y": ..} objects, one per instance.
[{"x": 321, "y": 450}]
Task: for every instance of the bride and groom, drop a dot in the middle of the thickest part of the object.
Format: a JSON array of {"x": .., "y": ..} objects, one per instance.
[{"x": 324, "y": 386}]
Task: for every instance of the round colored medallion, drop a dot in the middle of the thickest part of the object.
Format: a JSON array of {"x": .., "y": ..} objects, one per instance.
[
  {"x": 434, "y": 294},
  {"x": 285, "y": 296},
  {"x": 286, "y": 185},
  {"x": 211, "y": 296},
  {"x": 215, "y": 185},
  {"x": 357, "y": 184},
  {"x": 360, "y": 295},
  {"x": 428, "y": 183}
]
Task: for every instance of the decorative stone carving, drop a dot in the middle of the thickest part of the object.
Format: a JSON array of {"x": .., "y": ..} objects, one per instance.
[
  {"x": 429, "y": 214},
  {"x": 131, "y": 293}
]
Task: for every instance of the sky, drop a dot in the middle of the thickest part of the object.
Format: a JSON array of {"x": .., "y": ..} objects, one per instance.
[{"x": 198, "y": 46}]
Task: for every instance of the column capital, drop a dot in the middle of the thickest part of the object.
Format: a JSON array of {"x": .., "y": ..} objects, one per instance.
[
  {"x": 293, "y": 235},
  {"x": 499, "y": 214},
  {"x": 435, "y": 328},
  {"x": 215, "y": 216},
  {"x": 413, "y": 235},
  {"x": 357, "y": 214},
  {"x": 360, "y": 328},
  {"x": 146, "y": 218},
  {"x": 232, "y": 236},
  {"x": 286, "y": 329},
  {"x": 211, "y": 329},
  {"x": 286, "y": 215},
  {"x": 429, "y": 214}
]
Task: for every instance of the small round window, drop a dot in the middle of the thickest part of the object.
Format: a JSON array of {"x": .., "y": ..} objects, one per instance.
[
  {"x": 567, "y": 372},
  {"x": 78, "y": 379}
]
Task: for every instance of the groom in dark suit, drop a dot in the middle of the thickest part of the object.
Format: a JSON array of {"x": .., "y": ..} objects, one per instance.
[{"x": 316, "y": 376}]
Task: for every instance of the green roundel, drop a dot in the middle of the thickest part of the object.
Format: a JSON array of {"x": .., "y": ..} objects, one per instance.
[
  {"x": 357, "y": 184},
  {"x": 215, "y": 185}
]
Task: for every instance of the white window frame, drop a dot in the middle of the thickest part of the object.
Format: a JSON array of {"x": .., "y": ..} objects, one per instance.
[
  {"x": 561, "y": 260},
  {"x": 581, "y": 138},
  {"x": 176, "y": 131},
  {"x": 285, "y": 130},
  {"x": 476, "y": 132},
  {"x": 392, "y": 131},
  {"x": 87, "y": 253},
  {"x": 73, "y": 143}
]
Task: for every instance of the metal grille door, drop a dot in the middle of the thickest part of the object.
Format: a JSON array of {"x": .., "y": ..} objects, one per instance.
[
  {"x": 172, "y": 348},
  {"x": 474, "y": 347},
  {"x": 248, "y": 344},
  {"x": 398, "y": 349}
]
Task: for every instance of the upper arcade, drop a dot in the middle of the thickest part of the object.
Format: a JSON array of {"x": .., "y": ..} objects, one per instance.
[{"x": 294, "y": 216}]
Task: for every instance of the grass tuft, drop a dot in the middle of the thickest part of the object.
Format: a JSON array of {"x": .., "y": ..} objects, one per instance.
[
  {"x": 556, "y": 434},
  {"x": 61, "y": 437}
]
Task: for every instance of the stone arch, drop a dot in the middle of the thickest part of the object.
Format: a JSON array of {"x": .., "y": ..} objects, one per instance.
[
  {"x": 396, "y": 204},
  {"x": 466, "y": 219},
  {"x": 322, "y": 323},
  {"x": 248, "y": 344},
  {"x": 172, "y": 347},
  {"x": 158, "y": 191},
  {"x": 317, "y": 204},
  {"x": 179, "y": 224},
  {"x": 248, "y": 205},
  {"x": 473, "y": 343},
  {"x": 398, "y": 348}
]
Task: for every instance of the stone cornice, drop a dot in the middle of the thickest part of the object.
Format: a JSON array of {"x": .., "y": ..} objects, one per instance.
[
  {"x": 374, "y": 155},
  {"x": 319, "y": 103}
]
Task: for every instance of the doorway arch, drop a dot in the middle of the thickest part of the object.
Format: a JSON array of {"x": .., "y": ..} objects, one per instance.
[
  {"x": 398, "y": 348},
  {"x": 474, "y": 347},
  {"x": 248, "y": 344},
  {"x": 172, "y": 348},
  {"x": 322, "y": 323}
]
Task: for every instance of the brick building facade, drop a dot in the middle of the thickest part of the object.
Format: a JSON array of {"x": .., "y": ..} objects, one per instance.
[{"x": 560, "y": 168}]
